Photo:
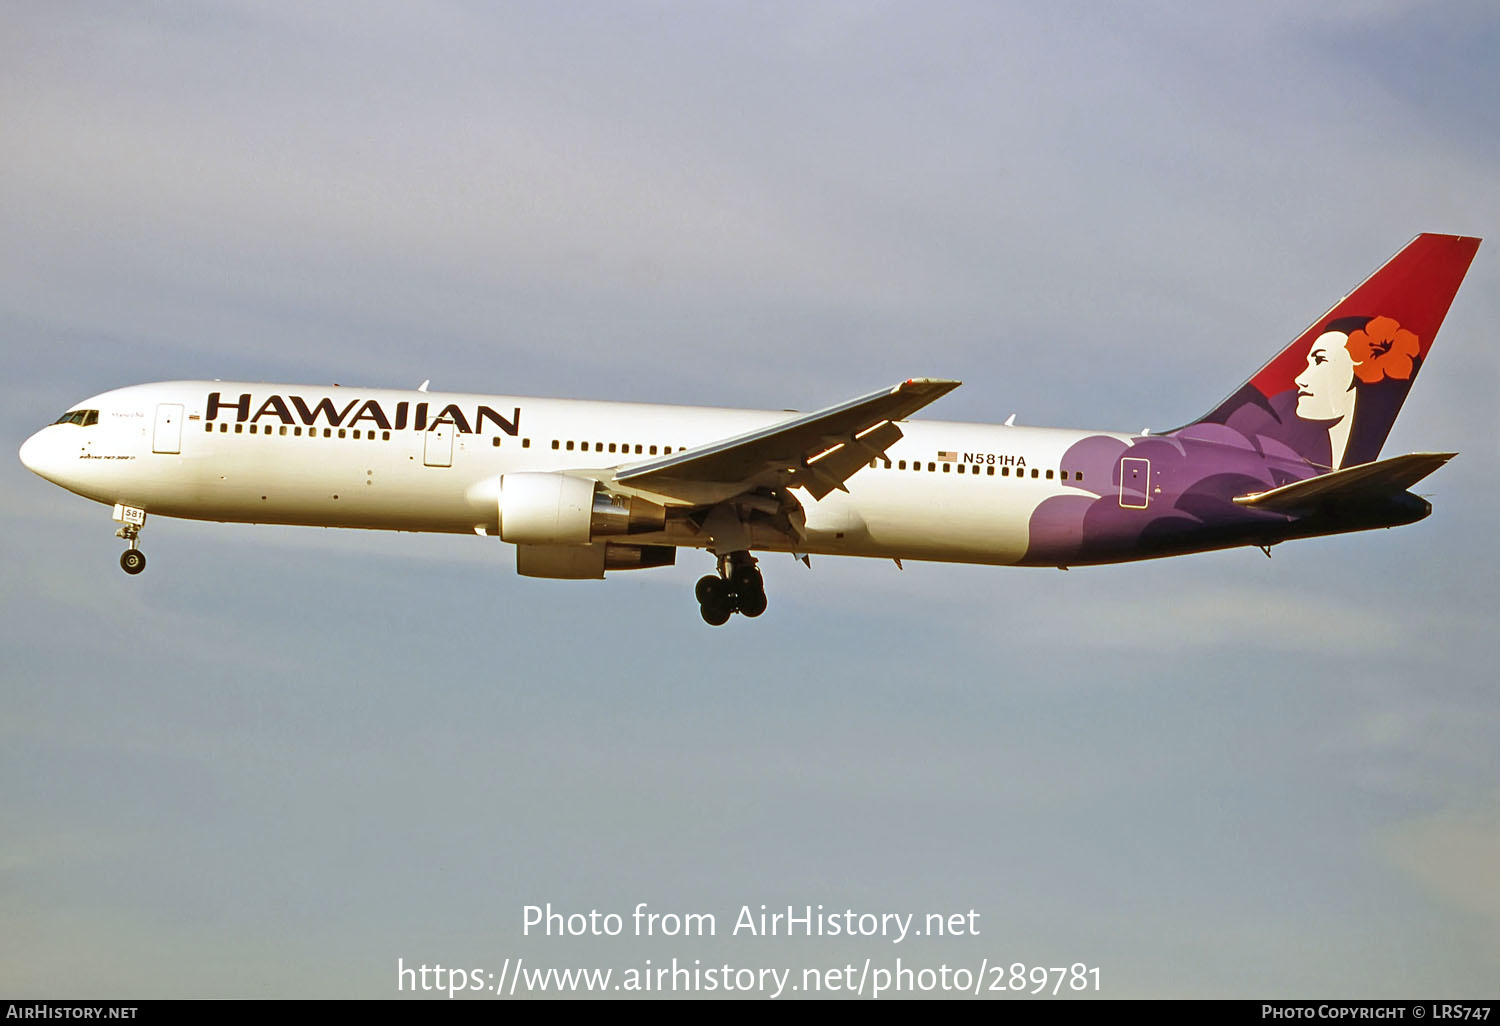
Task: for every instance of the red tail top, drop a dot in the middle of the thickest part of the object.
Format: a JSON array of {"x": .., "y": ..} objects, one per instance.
[{"x": 1414, "y": 289}]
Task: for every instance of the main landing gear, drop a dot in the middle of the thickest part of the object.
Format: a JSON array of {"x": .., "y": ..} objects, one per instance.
[{"x": 736, "y": 588}]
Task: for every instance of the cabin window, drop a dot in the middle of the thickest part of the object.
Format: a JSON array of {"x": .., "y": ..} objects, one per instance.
[
  {"x": 653, "y": 450},
  {"x": 990, "y": 470},
  {"x": 570, "y": 445},
  {"x": 495, "y": 442},
  {"x": 223, "y": 428},
  {"x": 555, "y": 443},
  {"x": 1035, "y": 472},
  {"x": 343, "y": 433},
  {"x": 638, "y": 448},
  {"x": 947, "y": 468},
  {"x": 253, "y": 428},
  {"x": 385, "y": 436},
  {"x": 611, "y": 446},
  {"x": 208, "y": 427},
  {"x": 1049, "y": 475},
  {"x": 526, "y": 443},
  {"x": 239, "y": 429}
]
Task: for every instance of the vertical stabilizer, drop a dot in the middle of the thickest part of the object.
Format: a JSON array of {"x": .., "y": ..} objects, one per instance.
[{"x": 1333, "y": 394}]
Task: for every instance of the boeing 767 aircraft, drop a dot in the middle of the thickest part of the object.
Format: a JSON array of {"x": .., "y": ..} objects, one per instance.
[{"x": 582, "y": 487}]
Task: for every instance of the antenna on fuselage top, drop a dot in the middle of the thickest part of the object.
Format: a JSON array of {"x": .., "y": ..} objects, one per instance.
[
  {"x": 423, "y": 386},
  {"x": 1010, "y": 421}
]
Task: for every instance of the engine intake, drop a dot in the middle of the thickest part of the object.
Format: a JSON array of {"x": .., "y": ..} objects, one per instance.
[{"x": 557, "y": 509}]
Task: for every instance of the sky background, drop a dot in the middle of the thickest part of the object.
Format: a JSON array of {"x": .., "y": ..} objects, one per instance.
[{"x": 282, "y": 758}]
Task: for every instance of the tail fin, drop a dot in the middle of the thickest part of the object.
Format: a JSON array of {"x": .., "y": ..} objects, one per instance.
[{"x": 1333, "y": 394}]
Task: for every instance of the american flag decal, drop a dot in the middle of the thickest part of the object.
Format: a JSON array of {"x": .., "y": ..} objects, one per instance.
[{"x": 948, "y": 457}]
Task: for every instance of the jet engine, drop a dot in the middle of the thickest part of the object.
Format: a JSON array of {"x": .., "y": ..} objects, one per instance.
[
  {"x": 583, "y": 562},
  {"x": 558, "y": 509}
]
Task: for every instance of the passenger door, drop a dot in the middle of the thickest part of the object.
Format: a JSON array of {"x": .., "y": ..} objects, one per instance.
[
  {"x": 1135, "y": 483},
  {"x": 167, "y": 437},
  {"x": 437, "y": 450}
]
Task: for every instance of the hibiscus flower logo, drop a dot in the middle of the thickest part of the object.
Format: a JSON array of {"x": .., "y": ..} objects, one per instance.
[{"x": 1382, "y": 349}]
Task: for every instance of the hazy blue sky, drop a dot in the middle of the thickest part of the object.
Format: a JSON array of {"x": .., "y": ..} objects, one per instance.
[{"x": 283, "y": 758}]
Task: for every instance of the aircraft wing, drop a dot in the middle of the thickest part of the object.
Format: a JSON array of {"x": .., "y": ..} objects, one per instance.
[
  {"x": 1350, "y": 485},
  {"x": 818, "y": 451}
]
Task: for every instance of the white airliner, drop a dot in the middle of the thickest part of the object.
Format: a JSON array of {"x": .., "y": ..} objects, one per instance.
[{"x": 583, "y": 487}]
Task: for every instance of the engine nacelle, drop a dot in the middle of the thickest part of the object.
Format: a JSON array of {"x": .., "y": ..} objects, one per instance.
[
  {"x": 584, "y": 562},
  {"x": 557, "y": 509}
]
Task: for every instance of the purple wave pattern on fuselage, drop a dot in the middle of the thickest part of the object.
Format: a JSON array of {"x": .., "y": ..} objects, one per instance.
[{"x": 1194, "y": 475}]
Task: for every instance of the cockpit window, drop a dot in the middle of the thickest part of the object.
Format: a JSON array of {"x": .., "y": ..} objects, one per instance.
[{"x": 83, "y": 418}]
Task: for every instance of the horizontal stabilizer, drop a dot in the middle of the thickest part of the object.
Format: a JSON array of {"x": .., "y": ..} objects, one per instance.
[{"x": 1368, "y": 481}]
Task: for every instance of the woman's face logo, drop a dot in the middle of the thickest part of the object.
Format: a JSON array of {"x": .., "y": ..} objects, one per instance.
[{"x": 1325, "y": 390}]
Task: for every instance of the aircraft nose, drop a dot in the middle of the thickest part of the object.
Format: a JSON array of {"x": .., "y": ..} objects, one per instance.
[{"x": 36, "y": 455}]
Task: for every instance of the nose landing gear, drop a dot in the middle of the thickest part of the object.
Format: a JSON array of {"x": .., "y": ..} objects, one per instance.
[
  {"x": 132, "y": 560},
  {"x": 736, "y": 588}
]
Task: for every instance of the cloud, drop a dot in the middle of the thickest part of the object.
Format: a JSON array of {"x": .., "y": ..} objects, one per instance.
[{"x": 1454, "y": 855}]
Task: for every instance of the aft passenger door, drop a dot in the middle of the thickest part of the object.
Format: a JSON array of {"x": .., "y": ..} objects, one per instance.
[
  {"x": 438, "y": 448},
  {"x": 1135, "y": 483},
  {"x": 167, "y": 437}
]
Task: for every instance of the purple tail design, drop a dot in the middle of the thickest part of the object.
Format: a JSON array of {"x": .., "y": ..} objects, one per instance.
[{"x": 1322, "y": 405}]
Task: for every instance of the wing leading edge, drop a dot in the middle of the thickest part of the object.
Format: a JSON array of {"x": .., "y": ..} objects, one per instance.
[{"x": 818, "y": 451}]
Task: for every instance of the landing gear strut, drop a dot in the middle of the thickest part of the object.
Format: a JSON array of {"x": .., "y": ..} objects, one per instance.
[
  {"x": 736, "y": 588},
  {"x": 132, "y": 560}
]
